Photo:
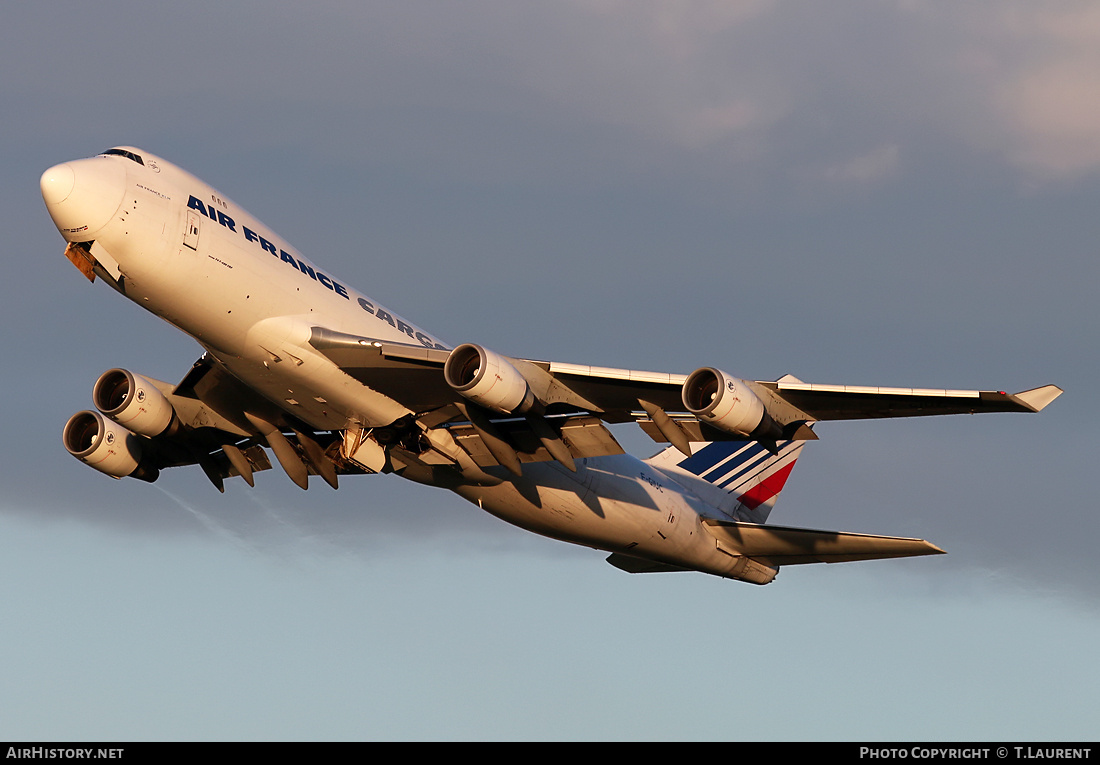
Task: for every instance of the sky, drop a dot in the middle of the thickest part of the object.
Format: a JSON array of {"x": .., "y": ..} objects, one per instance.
[{"x": 869, "y": 193}]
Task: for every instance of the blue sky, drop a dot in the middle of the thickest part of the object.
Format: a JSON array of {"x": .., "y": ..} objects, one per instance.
[{"x": 867, "y": 193}]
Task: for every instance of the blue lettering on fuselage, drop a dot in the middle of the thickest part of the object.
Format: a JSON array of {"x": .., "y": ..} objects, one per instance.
[
  {"x": 212, "y": 214},
  {"x": 196, "y": 204},
  {"x": 305, "y": 269}
]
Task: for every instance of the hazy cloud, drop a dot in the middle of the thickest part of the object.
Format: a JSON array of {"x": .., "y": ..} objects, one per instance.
[{"x": 875, "y": 165}]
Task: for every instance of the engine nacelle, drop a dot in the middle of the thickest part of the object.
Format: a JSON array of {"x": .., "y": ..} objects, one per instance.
[
  {"x": 487, "y": 378},
  {"x": 106, "y": 446},
  {"x": 725, "y": 401},
  {"x": 133, "y": 402}
]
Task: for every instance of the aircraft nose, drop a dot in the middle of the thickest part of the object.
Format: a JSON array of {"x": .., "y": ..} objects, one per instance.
[
  {"x": 57, "y": 183},
  {"x": 83, "y": 196}
]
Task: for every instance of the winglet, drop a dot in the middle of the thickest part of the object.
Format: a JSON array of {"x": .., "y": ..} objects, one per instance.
[{"x": 1037, "y": 398}]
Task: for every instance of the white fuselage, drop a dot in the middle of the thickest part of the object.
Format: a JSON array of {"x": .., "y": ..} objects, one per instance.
[{"x": 185, "y": 252}]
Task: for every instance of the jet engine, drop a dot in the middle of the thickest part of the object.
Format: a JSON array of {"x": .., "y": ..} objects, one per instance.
[
  {"x": 134, "y": 403},
  {"x": 106, "y": 446},
  {"x": 727, "y": 403},
  {"x": 488, "y": 379}
]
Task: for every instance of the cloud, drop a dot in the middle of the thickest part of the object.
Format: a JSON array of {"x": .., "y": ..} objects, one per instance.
[
  {"x": 743, "y": 82},
  {"x": 1053, "y": 115},
  {"x": 875, "y": 165},
  {"x": 525, "y": 89}
]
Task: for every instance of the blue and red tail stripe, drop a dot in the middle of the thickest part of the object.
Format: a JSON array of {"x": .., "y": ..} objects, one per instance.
[
  {"x": 767, "y": 489},
  {"x": 729, "y": 463}
]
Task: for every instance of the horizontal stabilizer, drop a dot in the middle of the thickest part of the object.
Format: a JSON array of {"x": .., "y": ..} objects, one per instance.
[{"x": 784, "y": 546}]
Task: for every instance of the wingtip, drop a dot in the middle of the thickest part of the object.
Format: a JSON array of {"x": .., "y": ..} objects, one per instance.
[{"x": 1037, "y": 398}]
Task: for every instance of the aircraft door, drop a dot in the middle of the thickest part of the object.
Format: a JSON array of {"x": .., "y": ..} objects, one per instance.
[{"x": 191, "y": 230}]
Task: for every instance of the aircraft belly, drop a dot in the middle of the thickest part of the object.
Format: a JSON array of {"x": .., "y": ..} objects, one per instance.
[
  {"x": 313, "y": 390},
  {"x": 609, "y": 505}
]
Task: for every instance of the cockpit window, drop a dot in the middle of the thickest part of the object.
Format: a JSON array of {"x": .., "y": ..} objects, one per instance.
[{"x": 123, "y": 153}]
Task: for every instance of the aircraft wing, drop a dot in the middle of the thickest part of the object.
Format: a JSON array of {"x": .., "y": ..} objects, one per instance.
[
  {"x": 414, "y": 375},
  {"x": 210, "y": 419}
]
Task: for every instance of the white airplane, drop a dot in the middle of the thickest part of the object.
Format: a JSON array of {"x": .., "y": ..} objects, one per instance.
[{"x": 333, "y": 382}]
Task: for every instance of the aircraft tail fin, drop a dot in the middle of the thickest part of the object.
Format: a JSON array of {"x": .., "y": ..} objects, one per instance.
[{"x": 745, "y": 475}]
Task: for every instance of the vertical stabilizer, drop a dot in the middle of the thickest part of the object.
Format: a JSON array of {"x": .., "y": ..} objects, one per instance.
[{"x": 742, "y": 478}]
